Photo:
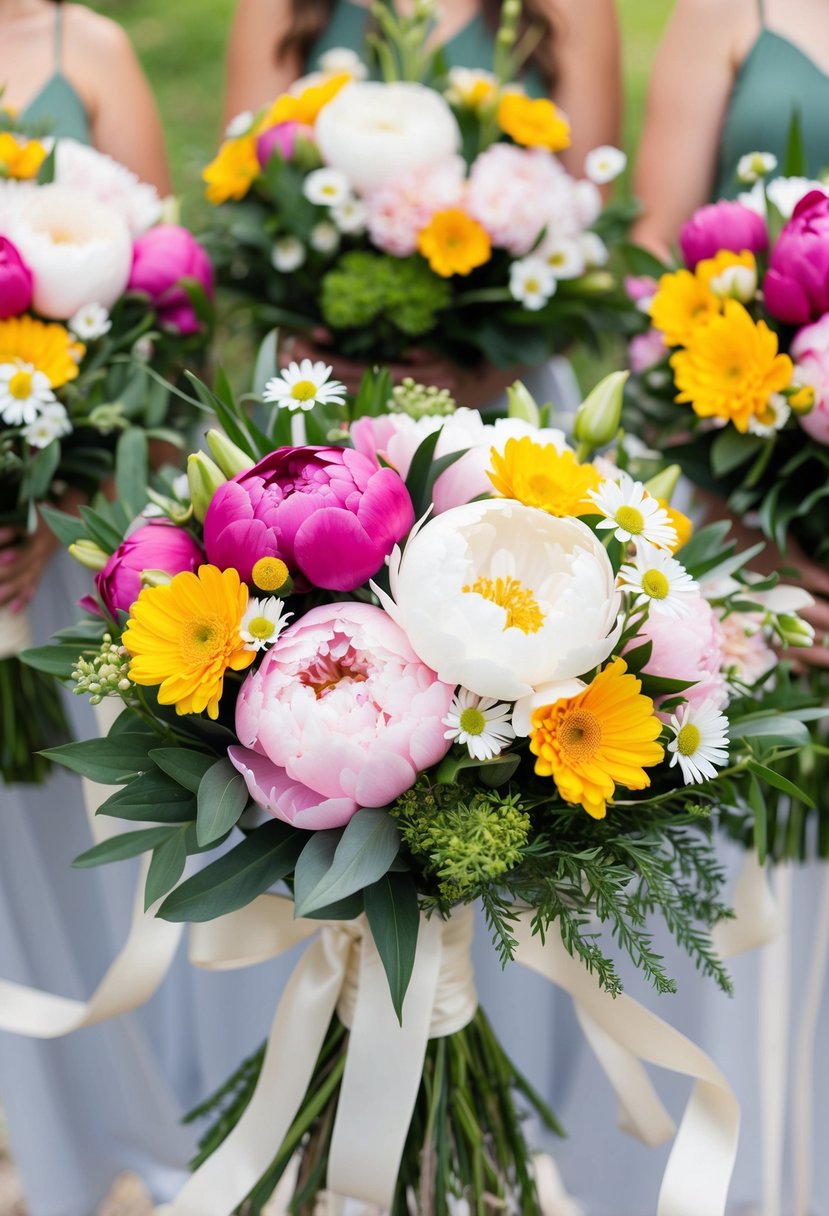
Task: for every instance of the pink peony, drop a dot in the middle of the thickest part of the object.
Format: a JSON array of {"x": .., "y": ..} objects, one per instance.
[
  {"x": 810, "y": 351},
  {"x": 340, "y": 715},
  {"x": 155, "y": 546},
  {"x": 796, "y": 287},
  {"x": 283, "y": 138},
  {"x": 330, "y": 514},
  {"x": 161, "y": 258},
  {"x": 744, "y": 647},
  {"x": 15, "y": 281},
  {"x": 719, "y": 226},
  {"x": 688, "y": 649},
  {"x": 398, "y": 211},
  {"x": 517, "y": 192}
]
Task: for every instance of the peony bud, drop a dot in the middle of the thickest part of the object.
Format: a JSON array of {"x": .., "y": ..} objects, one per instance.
[
  {"x": 155, "y": 578},
  {"x": 664, "y": 483},
  {"x": 521, "y": 404},
  {"x": 599, "y": 415},
  {"x": 89, "y": 554},
  {"x": 228, "y": 456},
  {"x": 204, "y": 478},
  {"x": 793, "y": 631}
]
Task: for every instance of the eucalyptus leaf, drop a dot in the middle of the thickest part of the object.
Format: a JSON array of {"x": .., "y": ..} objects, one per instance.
[
  {"x": 368, "y": 846},
  {"x": 779, "y": 782},
  {"x": 166, "y": 868},
  {"x": 392, "y": 911},
  {"x": 122, "y": 846},
  {"x": 108, "y": 761},
  {"x": 222, "y": 796},
  {"x": 151, "y": 798},
  {"x": 183, "y": 765}
]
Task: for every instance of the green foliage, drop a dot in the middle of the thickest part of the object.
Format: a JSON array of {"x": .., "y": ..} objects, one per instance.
[
  {"x": 336, "y": 864},
  {"x": 367, "y": 287}
]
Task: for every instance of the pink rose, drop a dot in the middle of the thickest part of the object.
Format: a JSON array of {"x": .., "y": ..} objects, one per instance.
[
  {"x": 15, "y": 281},
  {"x": 796, "y": 287},
  {"x": 719, "y": 226},
  {"x": 810, "y": 351},
  {"x": 283, "y": 138},
  {"x": 330, "y": 514},
  {"x": 688, "y": 649},
  {"x": 340, "y": 715},
  {"x": 155, "y": 546},
  {"x": 161, "y": 258}
]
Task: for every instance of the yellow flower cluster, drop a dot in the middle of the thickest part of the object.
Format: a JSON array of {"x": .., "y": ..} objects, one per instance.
[
  {"x": 20, "y": 158},
  {"x": 453, "y": 243},
  {"x": 533, "y": 123},
  {"x": 44, "y": 345},
  {"x": 538, "y": 475}
]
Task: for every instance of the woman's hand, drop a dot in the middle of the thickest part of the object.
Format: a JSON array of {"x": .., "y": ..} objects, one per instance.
[{"x": 23, "y": 558}]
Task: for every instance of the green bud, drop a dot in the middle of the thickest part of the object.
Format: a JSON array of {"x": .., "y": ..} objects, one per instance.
[
  {"x": 178, "y": 512},
  {"x": 594, "y": 283},
  {"x": 664, "y": 483},
  {"x": 792, "y": 631},
  {"x": 204, "y": 477},
  {"x": 522, "y": 404},
  {"x": 228, "y": 456},
  {"x": 108, "y": 417},
  {"x": 170, "y": 210},
  {"x": 89, "y": 554},
  {"x": 155, "y": 578},
  {"x": 599, "y": 415}
]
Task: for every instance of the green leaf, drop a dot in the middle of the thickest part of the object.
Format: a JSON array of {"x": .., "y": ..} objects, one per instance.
[
  {"x": 107, "y": 761},
  {"x": 761, "y": 819},
  {"x": 152, "y": 798},
  {"x": 222, "y": 797},
  {"x": 731, "y": 449},
  {"x": 779, "y": 782},
  {"x": 67, "y": 528},
  {"x": 166, "y": 868},
  {"x": 126, "y": 844},
  {"x": 795, "y": 163},
  {"x": 391, "y": 908},
  {"x": 131, "y": 469},
  {"x": 101, "y": 530},
  {"x": 54, "y": 659},
  {"x": 237, "y": 878},
  {"x": 363, "y": 855},
  {"x": 184, "y": 766},
  {"x": 417, "y": 481},
  {"x": 452, "y": 765},
  {"x": 267, "y": 362},
  {"x": 773, "y": 728}
]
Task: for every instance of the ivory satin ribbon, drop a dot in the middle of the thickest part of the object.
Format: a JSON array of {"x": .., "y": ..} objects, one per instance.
[{"x": 15, "y": 634}]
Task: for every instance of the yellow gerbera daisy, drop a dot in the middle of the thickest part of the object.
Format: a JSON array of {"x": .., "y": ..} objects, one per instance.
[
  {"x": 681, "y": 305},
  {"x": 604, "y": 737},
  {"x": 185, "y": 635},
  {"x": 682, "y": 525},
  {"x": 304, "y": 107},
  {"x": 454, "y": 243},
  {"x": 540, "y": 476},
  {"x": 533, "y": 123},
  {"x": 231, "y": 173},
  {"x": 20, "y": 158},
  {"x": 44, "y": 345},
  {"x": 731, "y": 367}
]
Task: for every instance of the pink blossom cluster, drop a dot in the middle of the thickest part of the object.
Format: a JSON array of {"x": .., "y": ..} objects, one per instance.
[{"x": 399, "y": 211}]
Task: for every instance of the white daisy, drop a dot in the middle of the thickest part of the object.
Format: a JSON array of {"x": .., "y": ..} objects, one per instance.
[
  {"x": 603, "y": 164},
  {"x": 324, "y": 237},
  {"x": 531, "y": 282},
  {"x": 326, "y": 187},
  {"x": 263, "y": 622},
  {"x": 23, "y": 393},
  {"x": 754, "y": 165},
  {"x": 773, "y": 418},
  {"x": 482, "y": 723},
  {"x": 240, "y": 125},
  {"x": 593, "y": 249},
  {"x": 659, "y": 580},
  {"x": 633, "y": 513},
  {"x": 343, "y": 59},
  {"x": 52, "y": 424},
  {"x": 700, "y": 742},
  {"x": 91, "y": 322},
  {"x": 287, "y": 254},
  {"x": 350, "y": 216},
  {"x": 300, "y": 386},
  {"x": 564, "y": 257}
]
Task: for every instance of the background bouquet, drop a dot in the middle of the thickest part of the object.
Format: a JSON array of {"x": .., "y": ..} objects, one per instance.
[
  {"x": 425, "y": 209},
  {"x": 733, "y": 384},
  {"x": 98, "y": 299},
  {"x": 429, "y": 661}
]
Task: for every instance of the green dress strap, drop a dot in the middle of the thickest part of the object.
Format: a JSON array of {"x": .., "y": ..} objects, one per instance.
[{"x": 58, "y": 106}]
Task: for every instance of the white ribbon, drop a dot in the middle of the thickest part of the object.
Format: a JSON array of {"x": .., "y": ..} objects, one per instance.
[
  {"x": 803, "y": 1131},
  {"x": 15, "y": 634}
]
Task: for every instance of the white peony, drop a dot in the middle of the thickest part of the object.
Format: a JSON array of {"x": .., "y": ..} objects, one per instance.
[
  {"x": 784, "y": 192},
  {"x": 78, "y": 250},
  {"x": 504, "y": 599},
  {"x": 375, "y": 133},
  {"x": 82, "y": 168}
]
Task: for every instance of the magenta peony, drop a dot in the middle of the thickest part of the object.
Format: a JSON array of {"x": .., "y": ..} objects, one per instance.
[
  {"x": 796, "y": 287},
  {"x": 340, "y": 715},
  {"x": 161, "y": 258},
  {"x": 330, "y": 514},
  {"x": 688, "y": 649},
  {"x": 155, "y": 546},
  {"x": 810, "y": 351},
  {"x": 15, "y": 281},
  {"x": 282, "y": 138},
  {"x": 722, "y": 226}
]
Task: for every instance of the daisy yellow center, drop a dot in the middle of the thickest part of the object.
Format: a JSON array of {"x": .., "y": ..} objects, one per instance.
[
  {"x": 200, "y": 638},
  {"x": 766, "y": 415},
  {"x": 522, "y": 609},
  {"x": 20, "y": 386},
  {"x": 270, "y": 573},
  {"x": 580, "y": 735},
  {"x": 533, "y": 285},
  {"x": 260, "y": 627},
  {"x": 303, "y": 390},
  {"x": 631, "y": 519},
  {"x": 472, "y": 721},
  {"x": 655, "y": 584},
  {"x": 688, "y": 739}
]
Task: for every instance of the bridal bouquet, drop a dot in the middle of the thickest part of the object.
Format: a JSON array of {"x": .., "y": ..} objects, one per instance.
[
  {"x": 98, "y": 298},
  {"x": 423, "y": 662},
  {"x": 733, "y": 377},
  {"x": 426, "y": 209}
]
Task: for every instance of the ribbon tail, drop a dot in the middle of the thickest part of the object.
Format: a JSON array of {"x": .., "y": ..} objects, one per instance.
[
  {"x": 15, "y": 634},
  {"x": 756, "y": 920},
  {"x": 802, "y": 1117}
]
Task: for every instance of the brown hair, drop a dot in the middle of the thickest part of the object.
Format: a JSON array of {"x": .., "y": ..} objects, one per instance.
[{"x": 310, "y": 17}]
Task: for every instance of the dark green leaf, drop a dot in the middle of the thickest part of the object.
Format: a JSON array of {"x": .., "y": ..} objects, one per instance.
[
  {"x": 731, "y": 449},
  {"x": 772, "y": 728},
  {"x": 131, "y": 469},
  {"x": 101, "y": 530},
  {"x": 417, "y": 481},
  {"x": 152, "y": 798},
  {"x": 67, "y": 528},
  {"x": 363, "y": 855},
  {"x": 184, "y": 766},
  {"x": 761, "y": 819},
  {"x": 795, "y": 162},
  {"x": 108, "y": 761},
  {"x": 779, "y": 782},
  {"x": 391, "y": 908},
  {"x": 166, "y": 868},
  {"x": 55, "y": 659},
  {"x": 126, "y": 844},
  {"x": 222, "y": 797},
  {"x": 452, "y": 765}
]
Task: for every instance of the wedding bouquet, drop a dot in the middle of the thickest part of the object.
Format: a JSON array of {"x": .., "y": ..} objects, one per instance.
[
  {"x": 426, "y": 209},
  {"x": 733, "y": 384},
  {"x": 98, "y": 298},
  {"x": 424, "y": 661}
]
